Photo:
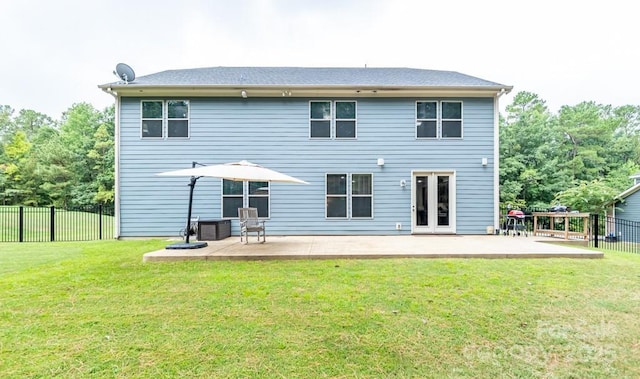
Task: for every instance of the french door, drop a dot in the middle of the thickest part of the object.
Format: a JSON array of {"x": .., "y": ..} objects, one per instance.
[{"x": 433, "y": 203}]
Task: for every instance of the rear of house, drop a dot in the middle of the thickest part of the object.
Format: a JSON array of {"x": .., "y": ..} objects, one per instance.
[
  {"x": 386, "y": 151},
  {"x": 623, "y": 221}
]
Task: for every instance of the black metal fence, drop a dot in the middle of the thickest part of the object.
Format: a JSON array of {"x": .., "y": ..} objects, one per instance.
[
  {"x": 42, "y": 224},
  {"x": 614, "y": 234}
]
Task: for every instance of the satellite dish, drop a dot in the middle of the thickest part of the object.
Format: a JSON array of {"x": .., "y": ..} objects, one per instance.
[{"x": 124, "y": 72}]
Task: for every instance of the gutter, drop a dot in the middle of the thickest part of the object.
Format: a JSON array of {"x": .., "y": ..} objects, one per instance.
[
  {"x": 496, "y": 155},
  {"x": 116, "y": 137},
  {"x": 297, "y": 90}
]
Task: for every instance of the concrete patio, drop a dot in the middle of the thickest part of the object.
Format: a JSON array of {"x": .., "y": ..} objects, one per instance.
[{"x": 374, "y": 247}]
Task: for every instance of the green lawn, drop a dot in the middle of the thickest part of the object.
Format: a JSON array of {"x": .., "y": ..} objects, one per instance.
[
  {"x": 69, "y": 225},
  {"x": 93, "y": 309}
]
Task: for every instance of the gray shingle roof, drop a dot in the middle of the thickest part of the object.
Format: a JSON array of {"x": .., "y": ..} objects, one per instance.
[{"x": 310, "y": 76}]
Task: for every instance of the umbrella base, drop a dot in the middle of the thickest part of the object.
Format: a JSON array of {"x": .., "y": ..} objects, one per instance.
[{"x": 184, "y": 245}]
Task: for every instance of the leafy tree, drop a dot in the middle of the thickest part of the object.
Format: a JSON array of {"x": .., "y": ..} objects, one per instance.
[
  {"x": 30, "y": 122},
  {"x": 54, "y": 167},
  {"x": 16, "y": 152},
  {"x": 588, "y": 129},
  {"x": 6, "y": 120},
  {"x": 528, "y": 141},
  {"x": 590, "y": 196},
  {"x": 103, "y": 157},
  {"x": 78, "y": 127}
]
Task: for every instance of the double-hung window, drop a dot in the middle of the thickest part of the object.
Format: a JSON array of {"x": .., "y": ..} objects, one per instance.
[
  {"x": 361, "y": 196},
  {"x": 451, "y": 119},
  {"x": 152, "y": 119},
  {"x": 242, "y": 195},
  {"x": 427, "y": 119},
  {"x": 165, "y": 119},
  {"x": 320, "y": 119},
  {"x": 332, "y": 120},
  {"x": 439, "y": 119},
  {"x": 345, "y": 119},
  {"x": 177, "y": 118},
  {"x": 336, "y": 206},
  {"x": 349, "y": 196}
]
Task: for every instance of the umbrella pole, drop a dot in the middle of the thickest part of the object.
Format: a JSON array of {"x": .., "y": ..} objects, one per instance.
[{"x": 192, "y": 184}]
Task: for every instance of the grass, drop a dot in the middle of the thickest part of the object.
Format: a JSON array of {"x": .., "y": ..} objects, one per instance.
[
  {"x": 69, "y": 225},
  {"x": 93, "y": 309}
]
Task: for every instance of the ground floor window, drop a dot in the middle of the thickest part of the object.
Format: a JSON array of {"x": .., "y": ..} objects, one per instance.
[
  {"x": 349, "y": 196},
  {"x": 244, "y": 195}
]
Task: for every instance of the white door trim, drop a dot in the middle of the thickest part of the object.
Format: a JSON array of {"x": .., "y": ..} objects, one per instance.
[{"x": 432, "y": 227}]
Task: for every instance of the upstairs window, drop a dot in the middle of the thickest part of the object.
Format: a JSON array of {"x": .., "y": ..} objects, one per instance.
[
  {"x": 177, "y": 118},
  {"x": 320, "y": 119},
  {"x": 165, "y": 119},
  {"x": 439, "y": 119},
  {"x": 427, "y": 119},
  {"x": 451, "y": 119},
  {"x": 345, "y": 119},
  {"x": 152, "y": 116},
  {"x": 332, "y": 120}
]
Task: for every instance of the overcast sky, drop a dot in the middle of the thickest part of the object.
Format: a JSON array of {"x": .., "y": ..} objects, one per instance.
[{"x": 55, "y": 53}]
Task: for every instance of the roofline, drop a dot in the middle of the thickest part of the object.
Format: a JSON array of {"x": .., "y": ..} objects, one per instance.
[
  {"x": 628, "y": 191},
  {"x": 279, "y": 90}
]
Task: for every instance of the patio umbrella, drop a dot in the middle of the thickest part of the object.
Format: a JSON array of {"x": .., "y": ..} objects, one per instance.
[{"x": 237, "y": 171}]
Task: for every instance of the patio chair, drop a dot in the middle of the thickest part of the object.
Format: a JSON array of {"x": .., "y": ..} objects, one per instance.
[{"x": 249, "y": 223}]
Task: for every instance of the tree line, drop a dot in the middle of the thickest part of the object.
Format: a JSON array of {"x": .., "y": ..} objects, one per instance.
[
  {"x": 67, "y": 163},
  {"x": 581, "y": 156}
]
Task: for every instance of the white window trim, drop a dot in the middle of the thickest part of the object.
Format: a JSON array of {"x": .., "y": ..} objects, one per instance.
[
  {"x": 461, "y": 119},
  {"x": 188, "y": 119},
  {"x": 349, "y": 196},
  {"x": 415, "y": 109},
  {"x": 333, "y": 118},
  {"x": 165, "y": 119},
  {"x": 439, "y": 119},
  {"x": 327, "y": 195},
  {"x": 245, "y": 198},
  {"x": 161, "y": 119},
  {"x": 336, "y": 119},
  {"x": 319, "y": 119}
]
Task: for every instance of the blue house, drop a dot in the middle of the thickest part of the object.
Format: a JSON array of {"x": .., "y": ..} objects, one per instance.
[
  {"x": 624, "y": 213},
  {"x": 386, "y": 150},
  {"x": 626, "y": 205}
]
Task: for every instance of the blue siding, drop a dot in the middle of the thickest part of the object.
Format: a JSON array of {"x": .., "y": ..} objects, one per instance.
[
  {"x": 630, "y": 208},
  {"x": 275, "y": 134}
]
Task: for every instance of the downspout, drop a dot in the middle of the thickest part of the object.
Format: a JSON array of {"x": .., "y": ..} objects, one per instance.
[
  {"x": 116, "y": 184},
  {"x": 496, "y": 158}
]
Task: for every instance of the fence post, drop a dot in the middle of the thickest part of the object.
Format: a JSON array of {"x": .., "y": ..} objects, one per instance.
[
  {"x": 595, "y": 230},
  {"x": 100, "y": 221},
  {"x": 52, "y": 224},
  {"x": 21, "y": 224}
]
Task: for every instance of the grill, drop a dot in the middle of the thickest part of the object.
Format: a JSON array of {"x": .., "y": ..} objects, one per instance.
[{"x": 515, "y": 223}]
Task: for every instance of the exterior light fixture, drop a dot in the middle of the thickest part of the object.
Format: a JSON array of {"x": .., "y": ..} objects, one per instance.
[{"x": 243, "y": 93}]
